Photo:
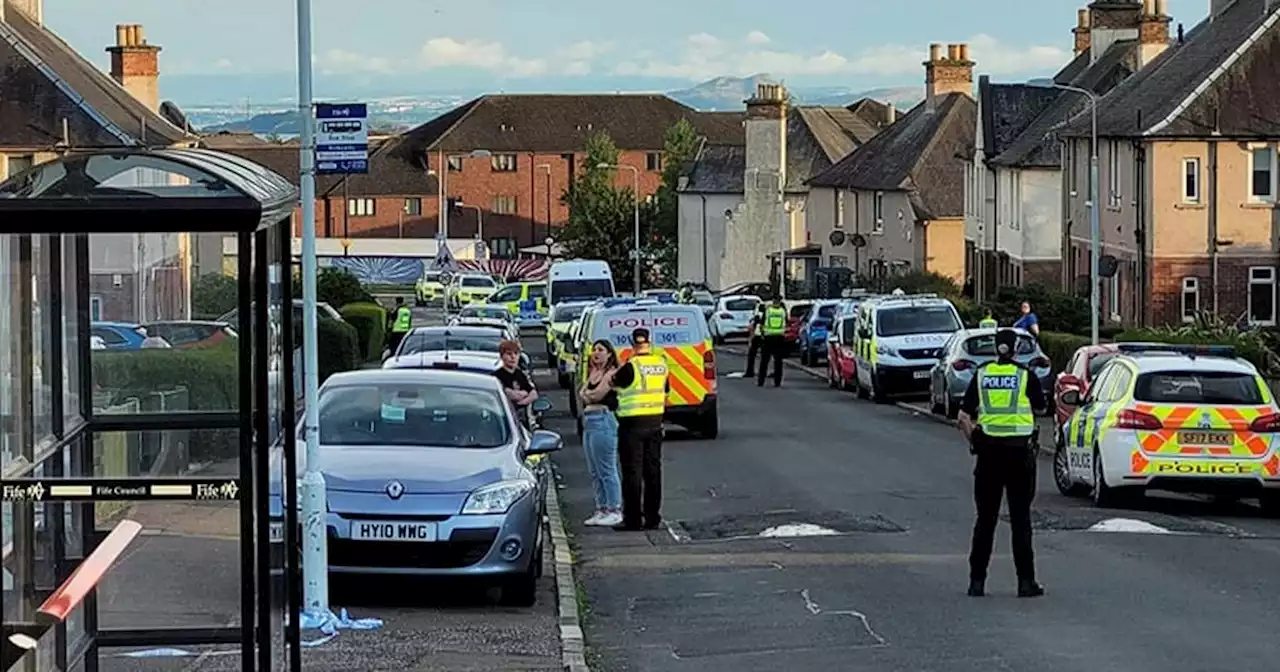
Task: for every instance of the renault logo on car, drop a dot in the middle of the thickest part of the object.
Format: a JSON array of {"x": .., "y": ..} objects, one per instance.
[{"x": 395, "y": 489}]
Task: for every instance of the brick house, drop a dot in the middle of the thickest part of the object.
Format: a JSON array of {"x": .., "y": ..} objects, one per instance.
[
  {"x": 53, "y": 101},
  {"x": 1189, "y": 175}
]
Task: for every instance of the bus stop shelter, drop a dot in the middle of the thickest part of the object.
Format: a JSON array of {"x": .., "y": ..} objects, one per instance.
[{"x": 70, "y": 490}]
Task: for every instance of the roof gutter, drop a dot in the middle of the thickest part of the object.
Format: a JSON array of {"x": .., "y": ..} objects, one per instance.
[
  {"x": 21, "y": 47},
  {"x": 1216, "y": 74}
]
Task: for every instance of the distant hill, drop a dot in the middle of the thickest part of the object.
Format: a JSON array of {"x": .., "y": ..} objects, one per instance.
[
  {"x": 284, "y": 123},
  {"x": 728, "y": 93}
]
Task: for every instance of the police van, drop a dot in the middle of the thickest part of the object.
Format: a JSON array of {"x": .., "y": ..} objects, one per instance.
[
  {"x": 578, "y": 280},
  {"x": 679, "y": 333},
  {"x": 898, "y": 340}
]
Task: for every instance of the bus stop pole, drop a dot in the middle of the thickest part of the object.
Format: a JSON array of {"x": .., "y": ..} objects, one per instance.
[{"x": 315, "y": 561}]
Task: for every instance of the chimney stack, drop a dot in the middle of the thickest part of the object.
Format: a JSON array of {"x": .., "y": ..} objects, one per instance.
[
  {"x": 32, "y": 9},
  {"x": 1153, "y": 30},
  {"x": 1081, "y": 31},
  {"x": 1111, "y": 21},
  {"x": 135, "y": 65},
  {"x": 890, "y": 114},
  {"x": 953, "y": 74}
]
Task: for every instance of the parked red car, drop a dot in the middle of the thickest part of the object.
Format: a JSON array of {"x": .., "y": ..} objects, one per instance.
[
  {"x": 795, "y": 317},
  {"x": 840, "y": 360},
  {"x": 1077, "y": 374}
]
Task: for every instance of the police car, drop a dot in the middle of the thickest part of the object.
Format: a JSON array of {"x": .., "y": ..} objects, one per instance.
[
  {"x": 1173, "y": 418},
  {"x": 898, "y": 340}
]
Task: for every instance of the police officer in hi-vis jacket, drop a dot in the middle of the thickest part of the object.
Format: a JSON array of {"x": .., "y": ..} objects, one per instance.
[
  {"x": 998, "y": 417},
  {"x": 641, "y": 384}
]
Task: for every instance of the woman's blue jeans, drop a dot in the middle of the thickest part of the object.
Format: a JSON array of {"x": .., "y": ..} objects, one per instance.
[{"x": 600, "y": 441}]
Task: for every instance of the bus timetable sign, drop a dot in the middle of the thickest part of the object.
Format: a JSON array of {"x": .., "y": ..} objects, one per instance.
[{"x": 342, "y": 138}]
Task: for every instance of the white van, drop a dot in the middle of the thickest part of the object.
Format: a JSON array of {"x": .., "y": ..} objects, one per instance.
[
  {"x": 579, "y": 280},
  {"x": 899, "y": 339}
]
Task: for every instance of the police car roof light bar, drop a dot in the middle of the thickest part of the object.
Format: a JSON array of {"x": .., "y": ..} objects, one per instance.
[{"x": 1189, "y": 350}]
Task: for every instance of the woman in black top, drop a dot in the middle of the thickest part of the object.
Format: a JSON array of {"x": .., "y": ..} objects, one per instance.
[{"x": 600, "y": 433}]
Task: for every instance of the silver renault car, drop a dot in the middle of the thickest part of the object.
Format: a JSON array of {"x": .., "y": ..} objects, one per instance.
[{"x": 428, "y": 473}]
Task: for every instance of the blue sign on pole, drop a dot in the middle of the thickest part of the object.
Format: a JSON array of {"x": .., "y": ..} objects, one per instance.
[{"x": 342, "y": 138}]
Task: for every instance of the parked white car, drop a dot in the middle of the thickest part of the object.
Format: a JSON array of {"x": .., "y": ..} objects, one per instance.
[{"x": 732, "y": 316}]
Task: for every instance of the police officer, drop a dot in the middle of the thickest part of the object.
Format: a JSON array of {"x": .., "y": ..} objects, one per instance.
[
  {"x": 402, "y": 322},
  {"x": 988, "y": 322},
  {"x": 774, "y": 342},
  {"x": 997, "y": 416},
  {"x": 642, "y": 389},
  {"x": 756, "y": 330}
]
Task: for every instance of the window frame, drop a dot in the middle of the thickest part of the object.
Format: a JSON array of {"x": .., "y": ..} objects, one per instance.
[
  {"x": 413, "y": 206},
  {"x": 653, "y": 162},
  {"x": 1188, "y": 177},
  {"x": 1190, "y": 287},
  {"x": 1272, "y": 169},
  {"x": 500, "y": 204},
  {"x": 354, "y": 209},
  {"x": 1259, "y": 282},
  {"x": 504, "y": 163},
  {"x": 454, "y": 162},
  {"x": 1113, "y": 296},
  {"x": 1113, "y": 174},
  {"x": 877, "y": 212}
]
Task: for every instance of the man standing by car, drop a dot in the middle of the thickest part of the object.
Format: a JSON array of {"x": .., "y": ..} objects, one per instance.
[
  {"x": 1028, "y": 320},
  {"x": 755, "y": 330},
  {"x": 642, "y": 389},
  {"x": 774, "y": 341},
  {"x": 998, "y": 417},
  {"x": 515, "y": 382},
  {"x": 401, "y": 323}
]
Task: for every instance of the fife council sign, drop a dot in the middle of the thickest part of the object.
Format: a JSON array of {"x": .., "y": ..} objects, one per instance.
[{"x": 342, "y": 138}]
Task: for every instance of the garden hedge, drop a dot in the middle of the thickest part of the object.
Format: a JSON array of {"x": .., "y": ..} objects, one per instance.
[
  {"x": 1059, "y": 347},
  {"x": 370, "y": 322}
]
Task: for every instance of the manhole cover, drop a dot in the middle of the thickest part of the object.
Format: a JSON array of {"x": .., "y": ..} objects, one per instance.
[{"x": 788, "y": 524}]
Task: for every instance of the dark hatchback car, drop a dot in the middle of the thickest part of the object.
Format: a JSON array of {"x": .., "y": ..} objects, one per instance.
[{"x": 192, "y": 333}]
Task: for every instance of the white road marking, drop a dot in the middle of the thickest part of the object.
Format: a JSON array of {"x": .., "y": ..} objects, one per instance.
[
  {"x": 736, "y": 374},
  {"x": 854, "y": 613},
  {"x": 798, "y": 530},
  {"x": 1128, "y": 525}
]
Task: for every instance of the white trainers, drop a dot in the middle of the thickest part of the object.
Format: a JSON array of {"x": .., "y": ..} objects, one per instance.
[
  {"x": 594, "y": 520},
  {"x": 611, "y": 519}
]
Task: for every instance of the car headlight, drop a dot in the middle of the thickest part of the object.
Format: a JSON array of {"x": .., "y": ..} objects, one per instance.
[
  {"x": 886, "y": 350},
  {"x": 496, "y": 498}
]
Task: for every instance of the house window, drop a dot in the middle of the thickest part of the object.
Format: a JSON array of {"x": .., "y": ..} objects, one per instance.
[
  {"x": 968, "y": 188},
  {"x": 653, "y": 161},
  {"x": 502, "y": 248},
  {"x": 1073, "y": 162},
  {"x": 1190, "y": 299},
  {"x": 878, "y": 212},
  {"x": 361, "y": 207},
  {"x": 413, "y": 207},
  {"x": 838, "y": 261},
  {"x": 1191, "y": 180},
  {"x": 1113, "y": 174},
  {"x": 95, "y": 308},
  {"x": 504, "y": 205},
  {"x": 1262, "y": 173},
  {"x": 839, "y": 196},
  {"x": 1262, "y": 295},
  {"x": 1015, "y": 200},
  {"x": 503, "y": 163},
  {"x": 1114, "y": 298},
  {"x": 455, "y": 163},
  {"x": 18, "y": 164}
]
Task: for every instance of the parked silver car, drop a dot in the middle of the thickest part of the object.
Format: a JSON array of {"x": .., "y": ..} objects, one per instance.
[
  {"x": 964, "y": 352},
  {"x": 731, "y": 317}
]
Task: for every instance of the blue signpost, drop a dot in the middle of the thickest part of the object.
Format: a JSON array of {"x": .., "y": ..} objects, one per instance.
[{"x": 342, "y": 138}]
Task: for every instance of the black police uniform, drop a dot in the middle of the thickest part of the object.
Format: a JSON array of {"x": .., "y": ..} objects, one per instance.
[
  {"x": 757, "y": 340},
  {"x": 1005, "y": 465}
]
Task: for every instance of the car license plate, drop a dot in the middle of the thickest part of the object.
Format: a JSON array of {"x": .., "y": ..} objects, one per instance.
[
  {"x": 392, "y": 530},
  {"x": 920, "y": 375},
  {"x": 1206, "y": 438}
]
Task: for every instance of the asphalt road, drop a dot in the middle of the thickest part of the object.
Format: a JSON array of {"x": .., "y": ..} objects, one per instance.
[{"x": 886, "y": 592}]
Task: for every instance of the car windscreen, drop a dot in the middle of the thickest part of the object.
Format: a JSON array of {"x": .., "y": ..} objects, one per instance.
[
  {"x": 740, "y": 305},
  {"x": 916, "y": 320},
  {"x": 567, "y": 313},
  {"x": 704, "y": 299},
  {"x": 431, "y": 277},
  {"x": 828, "y": 312},
  {"x": 577, "y": 290},
  {"x": 1097, "y": 362},
  {"x": 985, "y": 345},
  {"x": 477, "y": 282},
  {"x": 413, "y": 414},
  {"x": 1198, "y": 387},
  {"x": 799, "y": 310},
  {"x": 485, "y": 312},
  {"x": 437, "y": 341},
  {"x": 667, "y": 326}
]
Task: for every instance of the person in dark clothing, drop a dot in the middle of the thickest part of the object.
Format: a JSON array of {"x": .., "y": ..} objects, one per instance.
[
  {"x": 773, "y": 342},
  {"x": 997, "y": 416},
  {"x": 642, "y": 387},
  {"x": 515, "y": 382},
  {"x": 753, "y": 350}
]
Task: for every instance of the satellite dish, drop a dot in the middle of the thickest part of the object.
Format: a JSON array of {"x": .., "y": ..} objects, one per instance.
[
  {"x": 858, "y": 240},
  {"x": 174, "y": 115},
  {"x": 1107, "y": 266},
  {"x": 837, "y": 237}
]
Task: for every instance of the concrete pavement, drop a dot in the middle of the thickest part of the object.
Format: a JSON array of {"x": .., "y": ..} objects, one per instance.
[{"x": 884, "y": 590}]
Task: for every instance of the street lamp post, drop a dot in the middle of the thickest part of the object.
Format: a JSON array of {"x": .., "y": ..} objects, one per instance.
[
  {"x": 441, "y": 178},
  {"x": 1095, "y": 226},
  {"x": 635, "y": 172}
]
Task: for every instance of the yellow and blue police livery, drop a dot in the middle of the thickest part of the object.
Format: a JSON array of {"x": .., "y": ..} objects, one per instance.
[
  {"x": 1173, "y": 418},
  {"x": 898, "y": 341}
]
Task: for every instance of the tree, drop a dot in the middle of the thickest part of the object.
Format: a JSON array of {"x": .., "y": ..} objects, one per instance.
[
  {"x": 662, "y": 214},
  {"x": 600, "y": 214}
]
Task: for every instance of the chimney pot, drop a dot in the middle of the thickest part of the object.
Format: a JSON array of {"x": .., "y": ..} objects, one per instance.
[
  {"x": 133, "y": 35},
  {"x": 935, "y": 52},
  {"x": 122, "y": 34},
  {"x": 953, "y": 52},
  {"x": 890, "y": 114},
  {"x": 964, "y": 52},
  {"x": 1162, "y": 7},
  {"x": 1082, "y": 18},
  {"x": 1148, "y": 7}
]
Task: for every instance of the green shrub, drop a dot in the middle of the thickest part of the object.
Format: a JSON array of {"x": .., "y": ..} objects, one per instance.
[
  {"x": 338, "y": 287},
  {"x": 914, "y": 282},
  {"x": 370, "y": 321},
  {"x": 338, "y": 347},
  {"x": 1251, "y": 345},
  {"x": 213, "y": 295},
  {"x": 1060, "y": 347}
]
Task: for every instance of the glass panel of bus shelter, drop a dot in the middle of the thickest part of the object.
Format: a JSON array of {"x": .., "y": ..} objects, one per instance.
[
  {"x": 72, "y": 338},
  {"x": 279, "y": 262}
]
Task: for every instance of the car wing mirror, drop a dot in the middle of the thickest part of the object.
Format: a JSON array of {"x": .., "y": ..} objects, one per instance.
[
  {"x": 542, "y": 442},
  {"x": 1071, "y": 398}
]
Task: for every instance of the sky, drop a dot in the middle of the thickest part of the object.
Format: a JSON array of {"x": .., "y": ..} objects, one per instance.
[{"x": 854, "y": 42}]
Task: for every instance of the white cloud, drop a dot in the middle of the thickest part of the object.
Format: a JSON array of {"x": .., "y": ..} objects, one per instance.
[
  {"x": 575, "y": 60},
  {"x": 706, "y": 56},
  {"x": 223, "y": 64},
  {"x": 343, "y": 61}
]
